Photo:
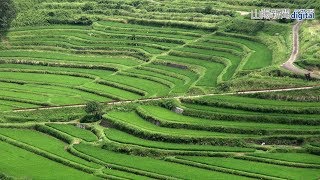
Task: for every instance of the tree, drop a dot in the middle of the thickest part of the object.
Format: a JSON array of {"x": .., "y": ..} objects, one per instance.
[
  {"x": 94, "y": 112},
  {"x": 207, "y": 10},
  {"x": 7, "y": 13},
  {"x": 88, "y": 7},
  {"x": 93, "y": 108}
]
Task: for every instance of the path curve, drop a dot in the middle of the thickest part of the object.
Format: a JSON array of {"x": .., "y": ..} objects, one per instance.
[
  {"x": 167, "y": 98},
  {"x": 289, "y": 65}
]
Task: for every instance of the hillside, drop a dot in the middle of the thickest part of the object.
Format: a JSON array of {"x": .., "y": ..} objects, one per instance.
[{"x": 156, "y": 89}]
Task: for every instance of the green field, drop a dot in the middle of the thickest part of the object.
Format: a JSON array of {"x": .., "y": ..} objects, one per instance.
[
  {"x": 110, "y": 59},
  {"x": 256, "y": 167},
  {"x": 156, "y": 89},
  {"x": 16, "y": 162},
  {"x": 75, "y": 131},
  {"x": 146, "y": 140}
]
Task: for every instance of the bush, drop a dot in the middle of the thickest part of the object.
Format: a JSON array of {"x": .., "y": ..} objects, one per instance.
[
  {"x": 89, "y": 119},
  {"x": 83, "y": 20},
  {"x": 94, "y": 108},
  {"x": 7, "y": 13},
  {"x": 87, "y": 7},
  {"x": 224, "y": 87},
  {"x": 94, "y": 112}
]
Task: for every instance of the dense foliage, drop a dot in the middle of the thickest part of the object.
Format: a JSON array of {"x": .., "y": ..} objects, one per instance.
[
  {"x": 94, "y": 112},
  {"x": 7, "y": 13}
]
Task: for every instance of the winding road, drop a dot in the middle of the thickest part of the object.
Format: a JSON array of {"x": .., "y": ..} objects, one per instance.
[{"x": 289, "y": 65}]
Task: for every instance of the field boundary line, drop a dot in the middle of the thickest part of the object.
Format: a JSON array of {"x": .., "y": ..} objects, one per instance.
[{"x": 168, "y": 98}]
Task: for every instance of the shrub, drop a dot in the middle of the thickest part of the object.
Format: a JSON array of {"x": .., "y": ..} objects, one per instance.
[
  {"x": 207, "y": 9},
  {"x": 87, "y": 7},
  {"x": 94, "y": 112},
  {"x": 224, "y": 87},
  {"x": 88, "y": 119},
  {"x": 7, "y": 13},
  {"x": 83, "y": 20}
]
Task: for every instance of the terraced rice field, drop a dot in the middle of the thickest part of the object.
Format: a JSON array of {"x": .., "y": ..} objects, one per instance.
[
  {"x": 163, "y": 78},
  {"x": 230, "y": 142},
  {"x": 110, "y": 60}
]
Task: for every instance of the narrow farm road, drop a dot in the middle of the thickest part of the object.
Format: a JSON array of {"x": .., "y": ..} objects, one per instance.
[
  {"x": 166, "y": 98},
  {"x": 289, "y": 65}
]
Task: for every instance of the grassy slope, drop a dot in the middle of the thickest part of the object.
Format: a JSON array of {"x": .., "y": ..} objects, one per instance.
[
  {"x": 44, "y": 142},
  {"x": 170, "y": 116},
  {"x": 259, "y": 168},
  {"x": 75, "y": 131},
  {"x": 151, "y": 165},
  {"x": 23, "y": 164},
  {"x": 119, "y": 136},
  {"x": 137, "y": 122},
  {"x": 310, "y": 51},
  {"x": 291, "y": 157}
]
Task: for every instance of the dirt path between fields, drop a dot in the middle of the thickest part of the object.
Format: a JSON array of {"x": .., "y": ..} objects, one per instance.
[
  {"x": 289, "y": 65},
  {"x": 166, "y": 98}
]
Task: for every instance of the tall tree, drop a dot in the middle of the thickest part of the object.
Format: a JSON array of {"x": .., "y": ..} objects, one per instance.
[{"x": 7, "y": 13}]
